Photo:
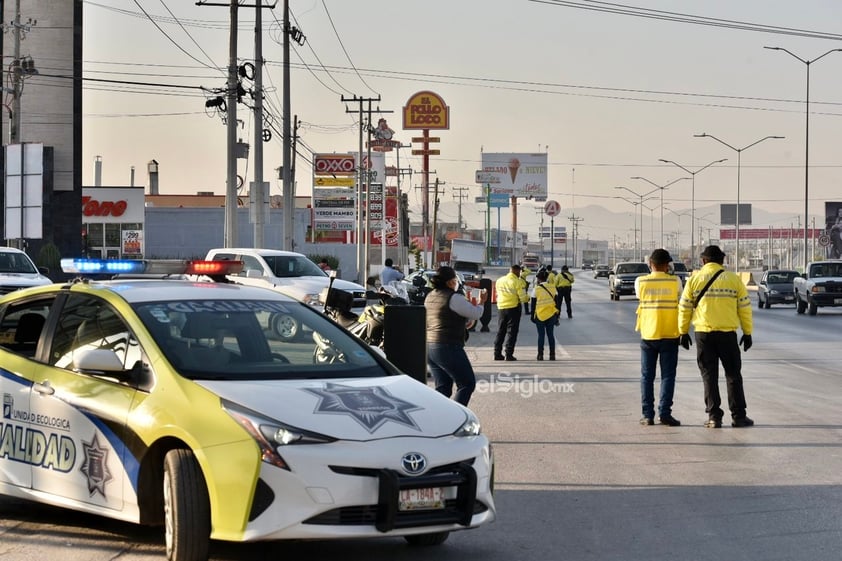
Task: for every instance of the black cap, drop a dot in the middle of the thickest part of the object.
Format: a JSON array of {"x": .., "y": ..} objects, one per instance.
[
  {"x": 714, "y": 253},
  {"x": 515, "y": 267},
  {"x": 564, "y": 268},
  {"x": 660, "y": 257}
]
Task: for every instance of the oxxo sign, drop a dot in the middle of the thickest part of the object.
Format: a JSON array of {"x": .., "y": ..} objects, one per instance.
[
  {"x": 334, "y": 164},
  {"x": 426, "y": 110}
]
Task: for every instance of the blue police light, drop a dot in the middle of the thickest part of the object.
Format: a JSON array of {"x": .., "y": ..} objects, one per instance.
[{"x": 102, "y": 266}]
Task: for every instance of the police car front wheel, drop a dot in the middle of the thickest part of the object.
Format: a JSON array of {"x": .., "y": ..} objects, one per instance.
[{"x": 186, "y": 508}]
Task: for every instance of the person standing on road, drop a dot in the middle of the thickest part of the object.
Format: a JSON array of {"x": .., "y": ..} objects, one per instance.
[
  {"x": 657, "y": 322},
  {"x": 511, "y": 293},
  {"x": 717, "y": 302},
  {"x": 447, "y": 312},
  {"x": 389, "y": 273},
  {"x": 564, "y": 283},
  {"x": 544, "y": 312}
]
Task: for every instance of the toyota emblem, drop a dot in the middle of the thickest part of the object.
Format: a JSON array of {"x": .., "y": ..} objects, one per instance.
[{"x": 413, "y": 463}]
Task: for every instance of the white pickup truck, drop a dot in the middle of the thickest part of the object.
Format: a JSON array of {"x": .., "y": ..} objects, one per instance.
[
  {"x": 290, "y": 273},
  {"x": 819, "y": 286},
  {"x": 18, "y": 271}
]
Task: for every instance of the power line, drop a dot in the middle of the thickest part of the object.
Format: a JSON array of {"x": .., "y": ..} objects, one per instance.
[
  {"x": 344, "y": 50},
  {"x": 626, "y": 10}
]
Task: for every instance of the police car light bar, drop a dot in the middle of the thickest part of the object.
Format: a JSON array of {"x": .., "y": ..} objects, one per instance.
[{"x": 150, "y": 267}]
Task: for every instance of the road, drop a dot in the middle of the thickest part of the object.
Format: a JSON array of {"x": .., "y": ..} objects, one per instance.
[{"x": 578, "y": 478}]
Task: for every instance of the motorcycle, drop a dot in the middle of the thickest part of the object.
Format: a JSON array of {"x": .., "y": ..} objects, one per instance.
[{"x": 367, "y": 326}]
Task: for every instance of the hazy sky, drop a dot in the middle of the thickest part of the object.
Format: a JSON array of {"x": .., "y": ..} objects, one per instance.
[{"x": 605, "y": 94}]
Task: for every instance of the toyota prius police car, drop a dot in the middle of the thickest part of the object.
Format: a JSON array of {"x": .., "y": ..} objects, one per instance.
[{"x": 173, "y": 403}]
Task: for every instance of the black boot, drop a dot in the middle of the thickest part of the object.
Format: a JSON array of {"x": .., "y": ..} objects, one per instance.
[
  {"x": 540, "y": 355},
  {"x": 552, "y": 355}
]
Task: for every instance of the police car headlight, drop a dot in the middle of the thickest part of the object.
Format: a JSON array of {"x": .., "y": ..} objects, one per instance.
[
  {"x": 818, "y": 289},
  {"x": 774, "y": 292},
  {"x": 271, "y": 435},
  {"x": 470, "y": 427}
]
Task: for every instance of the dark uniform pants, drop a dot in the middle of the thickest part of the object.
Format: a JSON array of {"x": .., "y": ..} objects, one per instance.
[
  {"x": 507, "y": 330},
  {"x": 712, "y": 348},
  {"x": 564, "y": 295}
]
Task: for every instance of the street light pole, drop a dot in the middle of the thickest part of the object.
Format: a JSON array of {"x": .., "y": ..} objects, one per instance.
[
  {"x": 739, "y": 152},
  {"x": 636, "y": 194},
  {"x": 678, "y": 235},
  {"x": 662, "y": 189},
  {"x": 634, "y": 216},
  {"x": 692, "y": 202},
  {"x": 807, "y": 63}
]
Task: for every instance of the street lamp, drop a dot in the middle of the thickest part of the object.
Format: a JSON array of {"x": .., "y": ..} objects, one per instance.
[
  {"x": 692, "y": 201},
  {"x": 678, "y": 235},
  {"x": 651, "y": 223},
  {"x": 807, "y": 63},
  {"x": 634, "y": 215},
  {"x": 636, "y": 194},
  {"x": 739, "y": 152},
  {"x": 662, "y": 188}
]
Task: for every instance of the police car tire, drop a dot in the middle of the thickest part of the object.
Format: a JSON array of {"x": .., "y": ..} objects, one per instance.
[
  {"x": 436, "y": 538},
  {"x": 187, "y": 523}
]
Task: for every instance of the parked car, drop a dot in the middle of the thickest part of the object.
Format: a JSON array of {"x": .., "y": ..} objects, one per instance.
[
  {"x": 601, "y": 271},
  {"x": 679, "y": 269},
  {"x": 18, "y": 271},
  {"x": 289, "y": 273},
  {"x": 172, "y": 403},
  {"x": 622, "y": 276},
  {"x": 776, "y": 287}
]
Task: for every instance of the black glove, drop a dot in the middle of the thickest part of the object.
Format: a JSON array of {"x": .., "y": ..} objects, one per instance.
[
  {"x": 686, "y": 341},
  {"x": 745, "y": 341}
]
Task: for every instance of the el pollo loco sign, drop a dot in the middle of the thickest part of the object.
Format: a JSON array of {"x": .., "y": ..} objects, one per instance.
[{"x": 426, "y": 110}]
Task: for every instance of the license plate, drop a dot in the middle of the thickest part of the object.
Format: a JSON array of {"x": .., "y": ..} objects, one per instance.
[
  {"x": 429, "y": 498},
  {"x": 789, "y": 298}
]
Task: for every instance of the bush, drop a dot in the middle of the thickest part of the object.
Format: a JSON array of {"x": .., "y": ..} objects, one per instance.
[{"x": 49, "y": 257}]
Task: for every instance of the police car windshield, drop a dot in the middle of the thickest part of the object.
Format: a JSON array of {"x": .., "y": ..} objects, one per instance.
[{"x": 255, "y": 340}]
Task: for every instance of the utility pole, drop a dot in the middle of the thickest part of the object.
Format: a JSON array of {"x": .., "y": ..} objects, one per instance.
[
  {"x": 575, "y": 227},
  {"x": 460, "y": 194},
  {"x": 435, "y": 221},
  {"x": 232, "y": 97},
  {"x": 258, "y": 195},
  {"x": 402, "y": 250},
  {"x": 363, "y": 179}
]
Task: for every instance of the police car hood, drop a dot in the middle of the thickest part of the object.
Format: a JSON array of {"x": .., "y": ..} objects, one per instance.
[{"x": 348, "y": 409}]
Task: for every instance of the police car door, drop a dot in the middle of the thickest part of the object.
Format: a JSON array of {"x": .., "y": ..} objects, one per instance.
[
  {"x": 95, "y": 466},
  {"x": 20, "y": 330}
]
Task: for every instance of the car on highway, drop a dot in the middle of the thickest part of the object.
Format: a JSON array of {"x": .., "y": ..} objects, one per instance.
[
  {"x": 776, "y": 287},
  {"x": 174, "y": 403},
  {"x": 621, "y": 278},
  {"x": 601, "y": 271}
]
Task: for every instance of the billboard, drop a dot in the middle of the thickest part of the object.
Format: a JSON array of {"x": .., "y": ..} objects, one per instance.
[
  {"x": 728, "y": 214},
  {"x": 517, "y": 174}
]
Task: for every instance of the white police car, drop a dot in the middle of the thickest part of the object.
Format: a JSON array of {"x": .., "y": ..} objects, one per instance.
[{"x": 173, "y": 403}]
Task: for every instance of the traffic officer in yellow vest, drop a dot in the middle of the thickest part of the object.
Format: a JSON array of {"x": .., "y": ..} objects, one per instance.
[
  {"x": 524, "y": 276},
  {"x": 564, "y": 283},
  {"x": 551, "y": 275},
  {"x": 657, "y": 322},
  {"x": 544, "y": 312},
  {"x": 511, "y": 293},
  {"x": 716, "y": 314}
]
